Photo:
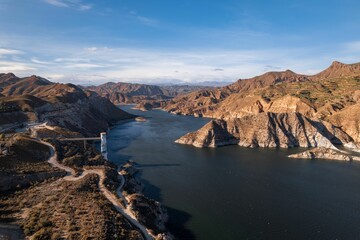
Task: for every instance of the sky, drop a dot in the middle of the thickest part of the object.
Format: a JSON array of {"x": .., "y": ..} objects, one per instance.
[{"x": 172, "y": 41}]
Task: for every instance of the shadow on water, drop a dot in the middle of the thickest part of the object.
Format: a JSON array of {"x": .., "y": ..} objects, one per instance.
[
  {"x": 150, "y": 165},
  {"x": 177, "y": 218},
  {"x": 150, "y": 190},
  {"x": 177, "y": 222},
  {"x": 10, "y": 231}
]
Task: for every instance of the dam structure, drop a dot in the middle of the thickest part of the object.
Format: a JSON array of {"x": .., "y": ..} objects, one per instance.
[{"x": 102, "y": 139}]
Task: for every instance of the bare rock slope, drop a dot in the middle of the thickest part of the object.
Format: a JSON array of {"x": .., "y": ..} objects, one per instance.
[{"x": 267, "y": 130}]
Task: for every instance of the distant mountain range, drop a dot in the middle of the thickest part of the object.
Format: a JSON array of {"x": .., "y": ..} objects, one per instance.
[{"x": 130, "y": 93}]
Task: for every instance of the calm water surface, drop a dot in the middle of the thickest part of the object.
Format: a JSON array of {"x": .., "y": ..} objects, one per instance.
[{"x": 238, "y": 193}]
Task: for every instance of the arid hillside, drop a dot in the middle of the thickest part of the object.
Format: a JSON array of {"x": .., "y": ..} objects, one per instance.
[
  {"x": 261, "y": 109},
  {"x": 334, "y": 86},
  {"x": 35, "y": 99}
]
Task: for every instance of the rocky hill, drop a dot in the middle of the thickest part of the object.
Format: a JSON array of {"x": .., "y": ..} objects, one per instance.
[
  {"x": 35, "y": 99},
  {"x": 337, "y": 70},
  {"x": 278, "y": 109}
]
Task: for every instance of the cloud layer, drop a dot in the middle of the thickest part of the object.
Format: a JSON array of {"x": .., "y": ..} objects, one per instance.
[
  {"x": 76, "y": 4},
  {"x": 95, "y": 65}
]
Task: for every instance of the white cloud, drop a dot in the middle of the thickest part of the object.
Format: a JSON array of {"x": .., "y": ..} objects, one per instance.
[
  {"x": 83, "y": 65},
  {"x": 35, "y": 60},
  {"x": 5, "y": 51},
  {"x": 57, "y": 3},
  {"x": 147, "y": 21},
  {"x": 76, "y": 4},
  {"x": 144, "y": 20},
  {"x": 54, "y": 76},
  {"x": 85, "y": 7},
  {"x": 99, "y": 64},
  {"x": 15, "y": 67}
]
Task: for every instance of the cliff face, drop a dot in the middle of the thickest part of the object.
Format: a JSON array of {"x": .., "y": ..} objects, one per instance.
[{"x": 267, "y": 130}]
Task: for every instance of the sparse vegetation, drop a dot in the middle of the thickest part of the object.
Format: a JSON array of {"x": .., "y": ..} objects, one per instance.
[{"x": 71, "y": 210}]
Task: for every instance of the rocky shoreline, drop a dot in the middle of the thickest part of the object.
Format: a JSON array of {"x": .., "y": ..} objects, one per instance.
[
  {"x": 274, "y": 130},
  {"x": 325, "y": 153},
  {"x": 149, "y": 212}
]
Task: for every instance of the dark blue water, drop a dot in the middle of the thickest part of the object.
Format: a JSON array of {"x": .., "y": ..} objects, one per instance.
[{"x": 238, "y": 193}]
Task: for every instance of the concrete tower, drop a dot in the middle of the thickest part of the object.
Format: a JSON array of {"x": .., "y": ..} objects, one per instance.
[{"x": 103, "y": 145}]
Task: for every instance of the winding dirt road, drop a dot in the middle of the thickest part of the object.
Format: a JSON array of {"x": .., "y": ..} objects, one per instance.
[{"x": 126, "y": 212}]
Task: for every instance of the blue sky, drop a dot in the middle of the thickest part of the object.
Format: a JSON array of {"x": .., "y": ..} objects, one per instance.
[{"x": 88, "y": 41}]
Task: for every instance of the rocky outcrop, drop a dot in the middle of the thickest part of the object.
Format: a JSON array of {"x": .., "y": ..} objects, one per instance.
[
  {"x": 325, "y": 153},
  {"x": 213, "y": 134},
  {"x": 148, "y": 212},
  {"x": 267, "y": 130}
]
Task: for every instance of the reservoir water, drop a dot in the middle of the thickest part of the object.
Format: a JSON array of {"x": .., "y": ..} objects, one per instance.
[{"x": 238, "y": 193}]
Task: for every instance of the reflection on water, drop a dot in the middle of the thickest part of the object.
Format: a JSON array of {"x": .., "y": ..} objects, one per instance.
[{"x": 238, "y": 193}]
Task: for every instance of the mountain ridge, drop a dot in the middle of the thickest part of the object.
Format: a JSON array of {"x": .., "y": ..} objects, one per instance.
[{"x": 36, "y": 99}]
